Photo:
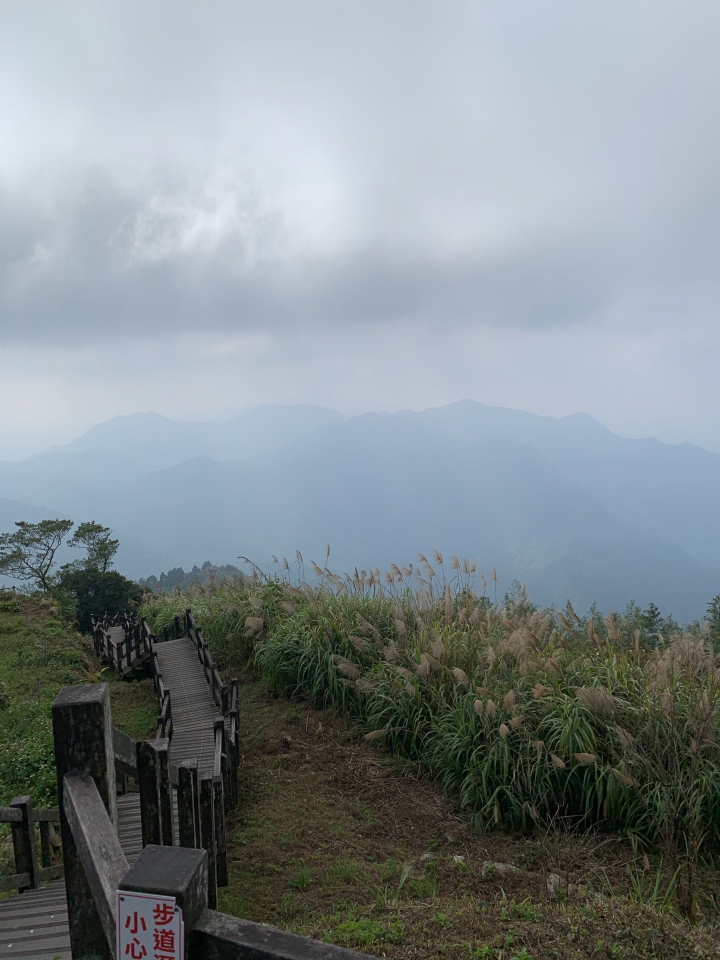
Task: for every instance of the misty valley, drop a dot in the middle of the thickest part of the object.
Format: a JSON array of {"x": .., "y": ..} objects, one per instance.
[{"x": 549, "y": 680}]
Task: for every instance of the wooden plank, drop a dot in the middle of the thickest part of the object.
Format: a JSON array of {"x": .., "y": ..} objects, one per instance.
[
  {"x": 10, "y": 815},
  {"x": 15, "y": 881},
  {"x": 193, "y": 706},
  {"x": 40, "y": 931},
  {"x": 49, "y": 815}
]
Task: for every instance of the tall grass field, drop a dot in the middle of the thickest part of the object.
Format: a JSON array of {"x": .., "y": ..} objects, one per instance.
[{"x": 531, "y": 717}]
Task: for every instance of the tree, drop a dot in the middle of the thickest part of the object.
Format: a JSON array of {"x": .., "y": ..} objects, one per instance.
[
  {"x": 96, "y": 539},
  {"x": 95, "y": 592},
  {"x": 713, "y": 618},
  {"x": 29, "y": 552},
  {"x": 652, "y": 622}
]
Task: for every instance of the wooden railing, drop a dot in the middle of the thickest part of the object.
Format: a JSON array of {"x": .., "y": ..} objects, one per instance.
[
  {"x": 164, "y": 720},
  {"x": 203, "y": 799},
  {"x": 127, "y": 653},
  {"x": 227, "y": 700},
  {"x": 31, "y": 870},
  {"x": 96, "y": 867},
  {"x": 93, "y": 759}
]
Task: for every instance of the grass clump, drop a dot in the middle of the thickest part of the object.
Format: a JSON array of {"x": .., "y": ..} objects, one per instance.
[{"x": 299, "y": 807}]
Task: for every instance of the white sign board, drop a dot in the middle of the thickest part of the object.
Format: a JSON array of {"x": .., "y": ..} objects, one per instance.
[{"x": 148, "y": 927}]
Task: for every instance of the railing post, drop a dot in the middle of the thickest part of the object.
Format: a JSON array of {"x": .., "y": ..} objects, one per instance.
[
  {"x": 82, "y": 732},
  {"x": 220, "y": 846},
  {"x": 156, "y": 813},
  {"x": 219, "y": 805},
  {"x": 45, "y": 847},
  {"x": 234, "y": 746},
  {"x": 207, "y": 833},
  {"x": 174, "y": 872},
  {"x": 188, "y": 804},
  {"x": 23, "y": 835}
]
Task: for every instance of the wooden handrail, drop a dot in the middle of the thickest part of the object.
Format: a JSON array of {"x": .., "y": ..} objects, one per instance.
[
  {"x": 222, "y": 937},
  {"x": 101, "y": 856}
]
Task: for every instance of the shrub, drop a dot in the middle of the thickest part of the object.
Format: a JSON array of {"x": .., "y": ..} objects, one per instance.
[{"x": 94, "y": 593}]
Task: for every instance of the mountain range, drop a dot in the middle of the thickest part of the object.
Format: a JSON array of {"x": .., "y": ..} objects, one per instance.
[{"x": 561, "y": 504}]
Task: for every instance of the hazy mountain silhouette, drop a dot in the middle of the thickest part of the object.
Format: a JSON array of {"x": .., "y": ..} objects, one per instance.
[
  {"x": 669, "y": 490},
  {"x": 561, "y": 504}
]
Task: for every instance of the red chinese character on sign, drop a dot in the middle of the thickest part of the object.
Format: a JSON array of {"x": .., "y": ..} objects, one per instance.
[
  {"x": 164, "y": 940},
  {"x": 136, "y": 950},
  {"x": 163, "y": 913},
  {"x": 131, "y": 923}
]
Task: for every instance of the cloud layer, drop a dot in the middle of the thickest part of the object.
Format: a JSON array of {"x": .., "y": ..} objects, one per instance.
[{"x": 364, "y": 205}]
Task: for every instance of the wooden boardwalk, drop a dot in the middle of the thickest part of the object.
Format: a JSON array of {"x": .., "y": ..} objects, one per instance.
[
  {"x": 193, "y": 709},
  {"x": 34, "y": 924}
]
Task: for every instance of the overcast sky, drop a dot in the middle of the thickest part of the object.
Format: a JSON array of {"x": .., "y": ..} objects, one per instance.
[{"x": 367, "y": 205}]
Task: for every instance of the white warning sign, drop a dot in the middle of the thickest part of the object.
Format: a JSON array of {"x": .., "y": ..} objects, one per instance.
[{"x": 148, "y": 927}]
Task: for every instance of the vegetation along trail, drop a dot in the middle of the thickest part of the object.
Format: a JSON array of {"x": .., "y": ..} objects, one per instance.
[
  {"x": 335, "y": 839},
  {"x": 594, "y": 738}
]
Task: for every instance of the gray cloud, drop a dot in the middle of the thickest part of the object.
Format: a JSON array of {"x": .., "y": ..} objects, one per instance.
[
  {"x": 106, "y": 261},
  {"x": 308, "y": 172}
]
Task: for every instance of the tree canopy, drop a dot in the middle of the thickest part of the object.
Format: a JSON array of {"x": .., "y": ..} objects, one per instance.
[
  {"x": 88, "y": 584},
  {"x": 28, "y": 553},
  {"x": 96, "y": 539},
  {"x": 95, "y": 593}
]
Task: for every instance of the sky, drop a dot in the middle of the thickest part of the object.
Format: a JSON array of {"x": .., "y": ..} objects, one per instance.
[{"x": 365, "y": 204}]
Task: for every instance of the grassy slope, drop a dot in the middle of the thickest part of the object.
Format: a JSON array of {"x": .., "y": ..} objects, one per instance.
[
  {"x": 39, "y": 654},
  {"x": 328, "y": 826}
]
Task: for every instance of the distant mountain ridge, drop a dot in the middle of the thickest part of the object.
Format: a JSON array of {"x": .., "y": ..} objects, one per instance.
[
  {"x": 668, "y": 490},
  {"x": 562, "y": 504}
]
